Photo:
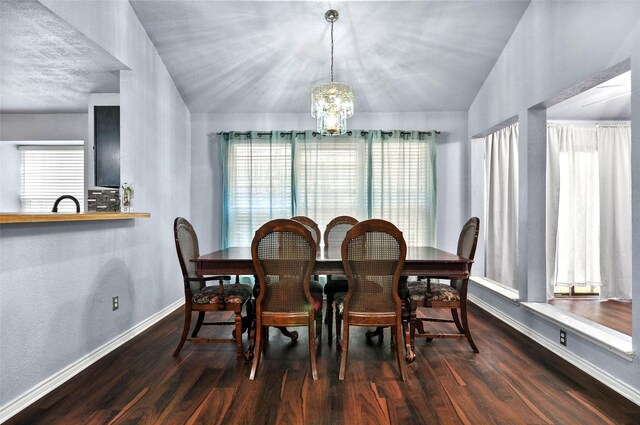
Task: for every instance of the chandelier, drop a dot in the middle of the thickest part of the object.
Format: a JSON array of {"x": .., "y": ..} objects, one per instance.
[{"x": 331, "y": 103}]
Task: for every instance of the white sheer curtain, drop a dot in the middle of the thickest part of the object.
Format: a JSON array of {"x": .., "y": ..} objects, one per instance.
[
  {"x": 577, "y": 239},
  {"x": 614, "y": 148},
  {"x": 501, "y": 206},
  {"x": 589, "y": 207}
]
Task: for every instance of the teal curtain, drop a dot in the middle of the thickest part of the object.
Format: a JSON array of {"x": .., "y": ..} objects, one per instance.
[
  {"x": 364, "y": 174},
  {"x": 402, "y": 187},
  {"x": 257, "y": 182}
]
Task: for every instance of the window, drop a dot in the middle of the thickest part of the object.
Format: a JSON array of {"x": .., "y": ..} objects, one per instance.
[
  {"x": 47, "y": 172},
  {"x": 331, "y": 178},
  {"x": 259, "y": 186},
  {"x": 403, "y": 187},
  {"x": 589, "y": 208},
  {"x": 388, "y": 175}
]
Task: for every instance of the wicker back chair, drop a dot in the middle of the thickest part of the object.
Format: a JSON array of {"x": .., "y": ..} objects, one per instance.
[
  {"x": 373, "y": 254},
  {"x": 452, "y": 296},
  {"x": 333, "y": 236},
  {"x": 283, "y": 253},
  {"x": 202, "y": 298},
  {"x": 315, "y": 287}
]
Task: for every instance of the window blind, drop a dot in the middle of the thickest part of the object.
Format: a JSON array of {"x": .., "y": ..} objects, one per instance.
[
  {"x": 331, "y": 178},
  {"x": 259, "y": 186},
  {"x": 47, "y": 172},
  {"x": 403, "y": 186},
  {"x": 275, "y": 174}
]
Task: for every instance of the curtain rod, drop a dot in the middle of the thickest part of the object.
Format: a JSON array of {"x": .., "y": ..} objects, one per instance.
[{"x": 349, "y": 133}]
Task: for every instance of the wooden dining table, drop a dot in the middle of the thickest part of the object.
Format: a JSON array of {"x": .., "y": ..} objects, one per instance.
[
  {"x": 420, "y": 261},
  {"x": 425, "y": 261}
]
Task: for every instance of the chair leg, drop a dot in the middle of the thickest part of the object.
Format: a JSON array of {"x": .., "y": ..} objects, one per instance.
[
  {"x": 312, "y": 346},
  {"x": 328, "y": 319},
  {"x": 198, "y": 324},
  {"x": 257, "y": 351},
  {"x": 265, "y": 338},
  {"x": 251, "y": 333},
  {"x": 411, "y": 337},
  {"x": 185, "y": 330},
  {"x": 465, "y": 325},
  {"x": 289, "y": 334},
  {"x": 345, "y": 349},
  {"x": 338, "y": 320},
  {"x": 329, "y": 316},
  {"x": 318, "y": 325},
  {"x": 318, "y": 320},
  {"x": 398, "y": 332},
  {"x": 456, "y": 320},
  {"x": 239, "y": 332}
]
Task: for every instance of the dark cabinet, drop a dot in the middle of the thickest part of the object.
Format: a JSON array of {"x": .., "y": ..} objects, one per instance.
[{"x": 107, "y": 145}]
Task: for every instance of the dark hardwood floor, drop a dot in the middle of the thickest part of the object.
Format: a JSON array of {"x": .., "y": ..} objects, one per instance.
[
  {"x": 512, "y": 381},
  {"x": 614, "y": 314}
]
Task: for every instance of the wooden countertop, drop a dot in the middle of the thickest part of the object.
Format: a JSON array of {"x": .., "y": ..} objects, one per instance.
[{"x": 7, "y": 218}]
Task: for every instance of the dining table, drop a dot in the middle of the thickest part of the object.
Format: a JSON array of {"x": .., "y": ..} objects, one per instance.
[{"x": 423, "y": 261}]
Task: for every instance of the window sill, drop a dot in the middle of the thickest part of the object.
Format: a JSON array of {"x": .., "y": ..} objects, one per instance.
[
  {"x": 9, "y": 218},
  {"x": 497, "y": 288},
  {"x": 614, "y": 341}
]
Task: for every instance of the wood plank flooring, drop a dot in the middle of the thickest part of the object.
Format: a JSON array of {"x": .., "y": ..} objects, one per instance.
[
  {"x": 512, "y": 381},
  {"x": 614, "y": 314}
]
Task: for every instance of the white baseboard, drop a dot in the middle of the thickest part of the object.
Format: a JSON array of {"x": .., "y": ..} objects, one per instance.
[
  {"x": 618, "y": 386},
  {"x": 54, "y": 381}
]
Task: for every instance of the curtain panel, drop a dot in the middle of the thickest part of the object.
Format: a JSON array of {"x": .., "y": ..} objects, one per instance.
[
  {"x": 588, "y": 211},
  {"x": 501, "y": 206},
  {"x": 364, "y": 174}
]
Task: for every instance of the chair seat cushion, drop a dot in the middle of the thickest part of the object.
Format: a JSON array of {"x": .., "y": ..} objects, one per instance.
[
  {"x": 334, "y": 285},
  {"x": 237, "y": 293},
  {"x": 339, "y": 300},
  {"x": 315, "y": 286},
  {"x": 439, "y": 292}
]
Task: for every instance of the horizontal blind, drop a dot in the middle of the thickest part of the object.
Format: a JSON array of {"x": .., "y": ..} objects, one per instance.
[
  {"x": 46, "y": 173},
  {"x": 331, "y": 178},
  {"x": 403, "y": 185},
  {"x": 259, "y": 186}
]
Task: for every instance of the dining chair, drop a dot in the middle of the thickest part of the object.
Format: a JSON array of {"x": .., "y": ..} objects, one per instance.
[
  {"x": 333, "y": 236},
  {"x": 198, "y": 297},
  {"x": 283, "y": 253},
  {"x": 315, "y": 287},
  {"x": 452, "y": 296},
  {"x": 373, "y": 254}
]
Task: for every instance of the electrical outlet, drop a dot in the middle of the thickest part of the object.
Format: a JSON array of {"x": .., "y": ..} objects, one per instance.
[
  {"x": 115, "y": 303},
  {"x": 563, "y": 337}
]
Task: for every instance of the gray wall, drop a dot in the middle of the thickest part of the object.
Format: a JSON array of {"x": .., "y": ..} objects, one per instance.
[
  {"x": 9, "y": 177},
  {"x": 30, "y": 127},
  {"x": 556, "y": 46},
  {"x": 58, "y": 278},
  {"x": 206, "y": 170}
]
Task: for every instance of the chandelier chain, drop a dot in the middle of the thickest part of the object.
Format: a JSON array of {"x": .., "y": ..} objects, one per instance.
[{"x": 332, "y": 51}]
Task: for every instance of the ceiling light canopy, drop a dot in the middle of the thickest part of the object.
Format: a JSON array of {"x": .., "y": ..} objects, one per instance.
[{"x": 331, "y": 103}]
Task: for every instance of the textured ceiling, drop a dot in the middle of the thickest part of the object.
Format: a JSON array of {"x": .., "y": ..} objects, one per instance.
[
  {"x": 46, "y": 65},
  {"x": 264, "y": 56},
  {"x": 610, "y": 100}
]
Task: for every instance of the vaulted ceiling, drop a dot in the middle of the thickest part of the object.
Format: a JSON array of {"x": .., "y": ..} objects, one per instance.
[{"x": 264, "y": 56}]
